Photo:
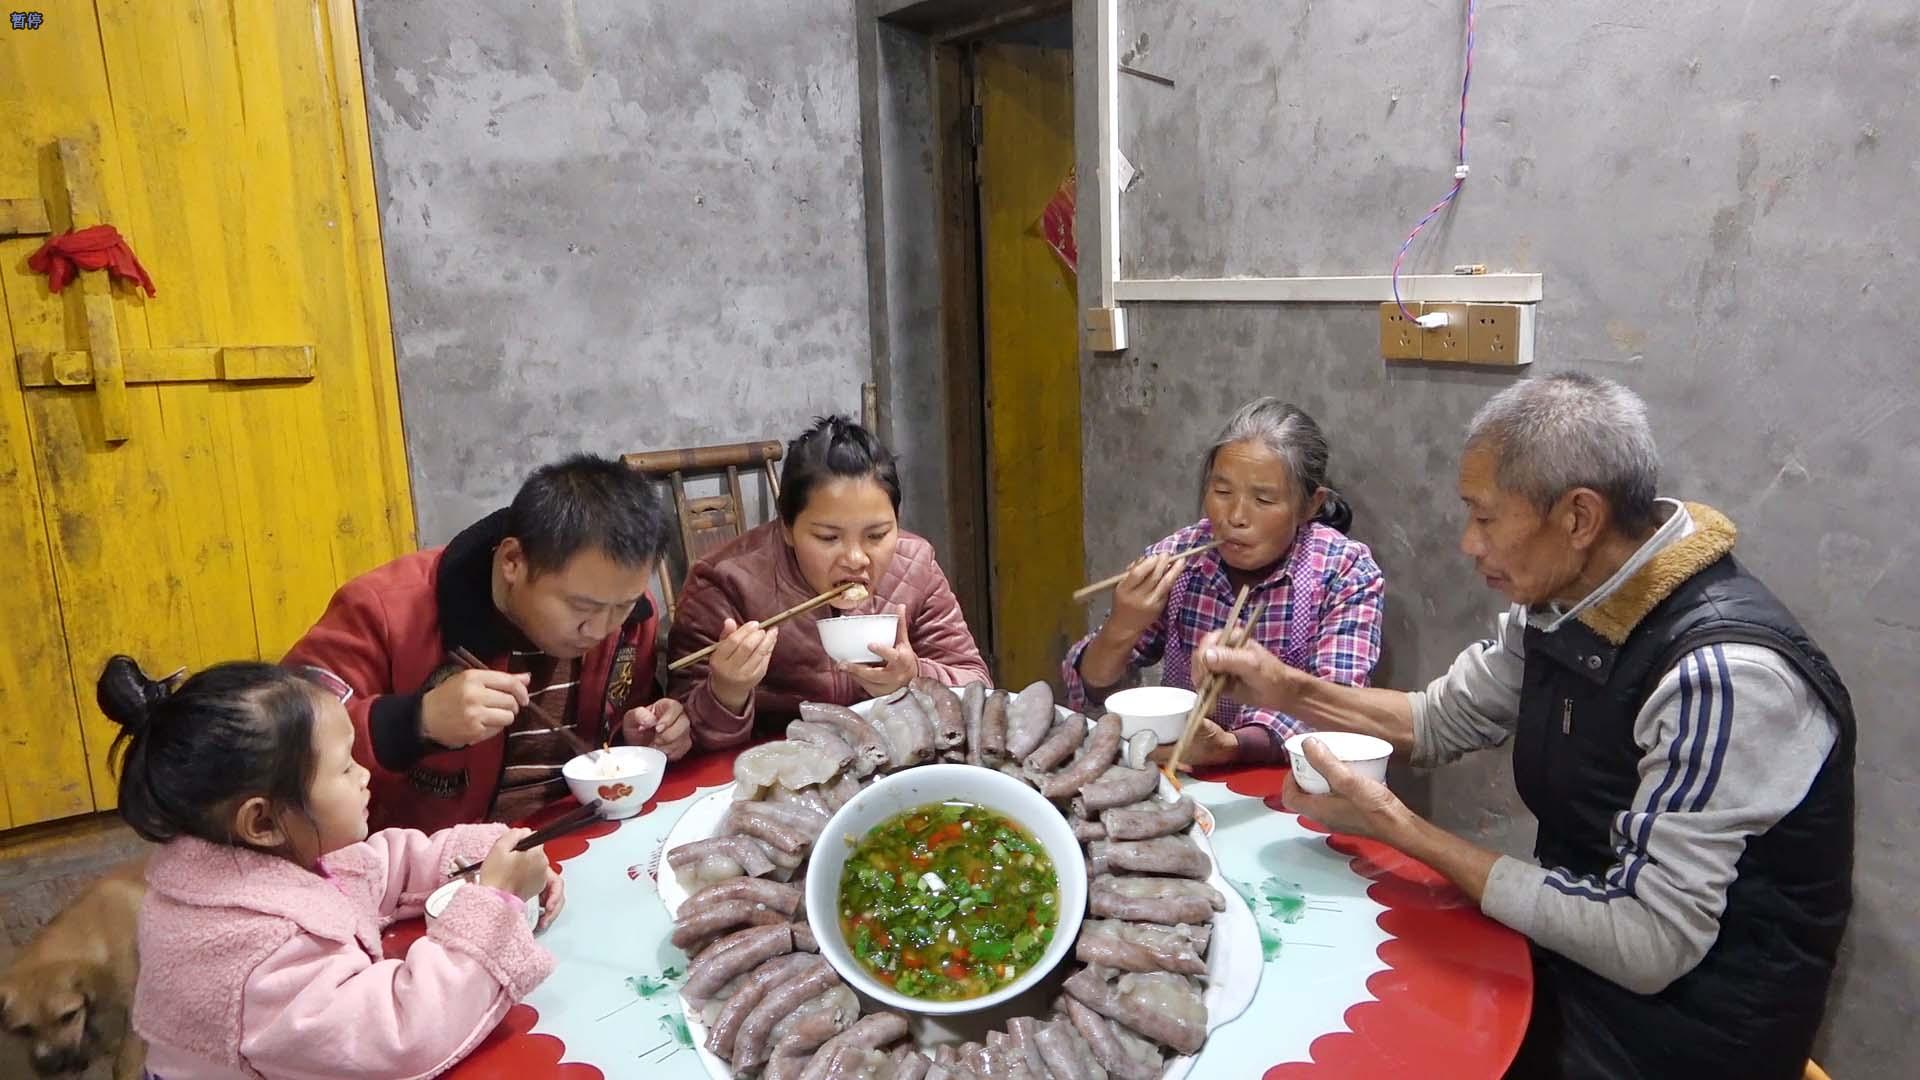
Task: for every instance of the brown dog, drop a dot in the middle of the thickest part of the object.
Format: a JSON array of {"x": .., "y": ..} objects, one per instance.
[{"x": 68, "y": 998}]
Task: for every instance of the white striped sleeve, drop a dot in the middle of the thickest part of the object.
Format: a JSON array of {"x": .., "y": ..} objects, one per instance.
[{"x": 1731, "y": 740}]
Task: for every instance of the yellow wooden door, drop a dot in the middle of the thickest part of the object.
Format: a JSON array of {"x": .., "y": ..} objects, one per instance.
[
  {"x": 1032, "y": 360},
  {"x": 188, "y": 476}
]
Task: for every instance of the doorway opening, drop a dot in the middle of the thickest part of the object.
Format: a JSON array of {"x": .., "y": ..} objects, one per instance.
[{"x": 1000, "y": 184}]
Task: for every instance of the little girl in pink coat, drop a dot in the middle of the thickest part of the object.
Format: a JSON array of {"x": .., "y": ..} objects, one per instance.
[{"x": 260, "y": 936}]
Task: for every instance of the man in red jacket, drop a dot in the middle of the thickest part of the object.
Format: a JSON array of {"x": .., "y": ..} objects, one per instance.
[{"x": 551, "y": 595}]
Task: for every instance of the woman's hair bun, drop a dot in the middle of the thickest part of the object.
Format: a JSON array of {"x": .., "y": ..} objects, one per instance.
[{"x": 127, "y": 695}]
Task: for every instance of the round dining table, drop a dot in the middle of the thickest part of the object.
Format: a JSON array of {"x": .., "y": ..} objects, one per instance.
[{"x": 1375, "y": 966}]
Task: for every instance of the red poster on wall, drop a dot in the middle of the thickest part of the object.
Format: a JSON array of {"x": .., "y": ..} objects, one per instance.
[{"x": 1056, "y": 223}]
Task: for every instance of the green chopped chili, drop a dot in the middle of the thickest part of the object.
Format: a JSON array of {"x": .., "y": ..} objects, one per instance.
[{"x": 917, "y": 911}]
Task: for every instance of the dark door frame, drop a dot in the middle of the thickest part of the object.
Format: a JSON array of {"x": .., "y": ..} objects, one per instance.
[{"x": 917, "y": 126}]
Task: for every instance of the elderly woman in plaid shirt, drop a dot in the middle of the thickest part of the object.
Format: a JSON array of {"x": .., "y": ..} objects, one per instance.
[{"x": 1318, "y": 595}]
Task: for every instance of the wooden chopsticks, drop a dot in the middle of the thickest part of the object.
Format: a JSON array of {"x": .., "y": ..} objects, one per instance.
[
  {"x": 566, "y": 823},
  {"x": 1236, "y": 635},
  {"x": 471, "y": 662},
  {"x": 1084, "y": 592},
  {"x": 798, "y": 609}
]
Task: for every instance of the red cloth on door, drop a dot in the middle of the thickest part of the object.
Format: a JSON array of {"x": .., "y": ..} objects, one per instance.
[
  {"x": 99, "y": 247},
  {"x": 1056, "y": 222}
]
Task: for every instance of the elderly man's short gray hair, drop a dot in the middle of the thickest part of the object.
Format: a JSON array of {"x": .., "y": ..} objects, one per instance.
[{"x": 1566, "y": 431}]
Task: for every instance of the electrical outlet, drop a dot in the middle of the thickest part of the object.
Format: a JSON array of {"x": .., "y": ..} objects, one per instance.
[
  {"x": 1399, "y": 338},
  {"x": 1445, "y": 344},
  {"x": 1500, "y": 334}
]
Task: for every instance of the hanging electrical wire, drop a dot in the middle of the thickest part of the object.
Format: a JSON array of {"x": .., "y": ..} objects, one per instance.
[{"x": 1459, "y": 171}]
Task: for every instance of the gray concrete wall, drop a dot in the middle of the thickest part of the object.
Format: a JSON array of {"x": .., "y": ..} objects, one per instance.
[
  {"x": 613, "y": 227},
  {"x": 902, "y": 262},
  {"x": 1718, "y": 199}
]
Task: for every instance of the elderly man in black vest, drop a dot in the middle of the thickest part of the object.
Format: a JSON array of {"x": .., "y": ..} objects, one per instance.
[{"x": 1686, "y": 747}]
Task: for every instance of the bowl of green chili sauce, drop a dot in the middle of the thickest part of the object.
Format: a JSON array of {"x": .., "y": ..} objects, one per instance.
[{"x": 946, "y": 889}]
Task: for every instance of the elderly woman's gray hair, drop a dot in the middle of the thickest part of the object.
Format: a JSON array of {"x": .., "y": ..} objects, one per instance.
[
  {"x": 1295, "y": 439},
  {"x": 1566, "y": 431}
]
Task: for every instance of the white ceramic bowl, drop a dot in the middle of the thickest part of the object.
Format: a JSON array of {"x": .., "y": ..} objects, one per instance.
[
  {"x": 848, "y": 638},
  {"x": 623, "y": 778},
  {"x": 438, "y": 899},
  {"x": 1366, "y": 754},
  {"x": 931, "y": 784},
  {"x": 1160, "y": 709}
]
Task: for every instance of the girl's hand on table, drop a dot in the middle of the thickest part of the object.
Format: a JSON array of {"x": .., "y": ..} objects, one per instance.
[
  {"x": 553, "y": 897},
  {"x": 522, "y": 873}
]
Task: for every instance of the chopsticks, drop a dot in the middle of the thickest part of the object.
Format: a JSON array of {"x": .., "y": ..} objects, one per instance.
[
  {"x": 467, "y": 659},
  {"x": 1236, "y": 635},
  {"x": 566, "y": 823},
  {"x": 472, "y": 663},
  {"x": 798, "y": 609},
  {"x": 1084, "y": 592}
]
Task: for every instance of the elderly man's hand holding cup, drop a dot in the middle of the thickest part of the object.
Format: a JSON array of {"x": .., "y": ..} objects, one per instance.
[
  {"x": 1354, "y": 803},
  {"x": 1340, "y": 796}
]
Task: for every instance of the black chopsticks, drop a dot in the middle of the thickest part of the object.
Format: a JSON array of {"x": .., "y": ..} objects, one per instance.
[{"x": 566, "y": 823}]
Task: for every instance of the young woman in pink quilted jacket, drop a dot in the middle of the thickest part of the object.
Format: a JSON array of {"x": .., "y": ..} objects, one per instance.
[
  {"x": 260, "y": 950},
  {"x": 839, "y": 522}
]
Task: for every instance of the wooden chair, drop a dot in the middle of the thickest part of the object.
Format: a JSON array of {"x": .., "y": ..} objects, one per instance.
[{"x": 710, "y": 522}]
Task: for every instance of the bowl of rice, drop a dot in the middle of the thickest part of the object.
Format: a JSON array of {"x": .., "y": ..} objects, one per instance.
[{"x": 623, "y": 778}]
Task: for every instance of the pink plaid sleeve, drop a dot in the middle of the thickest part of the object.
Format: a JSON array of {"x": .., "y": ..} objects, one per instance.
[
  {"x": 1146, "y": 652},
  {"x": 1349, "y": 643},
  {"x": 1346, "y": 648}
]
